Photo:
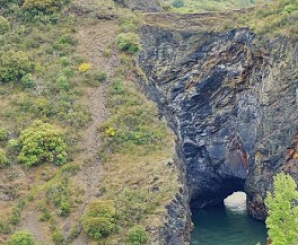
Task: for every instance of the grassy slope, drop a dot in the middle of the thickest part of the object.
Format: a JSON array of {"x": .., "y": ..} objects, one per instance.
[
  {"x": 139, "y": 175},
  {"x": 212, "y": 5}
]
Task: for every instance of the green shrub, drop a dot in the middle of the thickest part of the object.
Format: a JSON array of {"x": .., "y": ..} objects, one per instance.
[
  {"x": 3, "y": 158},
  {"x": 282, "y": 220},
  {"x": 15, "y": 216},
  {"x": 40, "y": 143},
  {"x": 97, "y": 76},
  {"x": 3, "y": 134},
  {"x": 137, "y": 235},
  {"x": 13, "y": 145},
  {"x": 28, "y": 81},
  {"x": 98, "y": 220},
  {"x": 57, "y": 237},
  {"x": 6, "y": 3},
  {"x": 63, "y": 83},
  {"x": 59, "y": 194},
  {"x": 178, "y": 3},
  {"x": 65, "y": 61},
  {"x": 14, "y": 65},
  {"x": 22, "y": 238},
  {"x": 68, "y": 72},
  {"x": 4, "y": 227},
  {"x": 65, "y": 208},
  {"x": 46, "y": 6},
  {"x": 98, "y": 228},
  {"x": 4, "y": 25},
  {"x": 128, "y": 42}
]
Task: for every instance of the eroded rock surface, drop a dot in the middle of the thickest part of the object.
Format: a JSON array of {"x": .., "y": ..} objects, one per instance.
[{"x": 232, "y": 100}]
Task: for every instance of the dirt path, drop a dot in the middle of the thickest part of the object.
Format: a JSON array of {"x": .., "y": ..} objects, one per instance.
[{"x": 93, "y": 41}]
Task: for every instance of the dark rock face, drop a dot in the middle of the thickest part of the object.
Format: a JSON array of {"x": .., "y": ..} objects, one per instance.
[
  {"x": 148, "y": 5},
  {"x": 232, "y": 100}
]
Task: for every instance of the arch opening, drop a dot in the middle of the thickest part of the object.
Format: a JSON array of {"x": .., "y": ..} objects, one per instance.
[
  {"x": 213, "y": 191},
  {"x": 236, "y": 201},
  {"x": 227, "y": 223}
]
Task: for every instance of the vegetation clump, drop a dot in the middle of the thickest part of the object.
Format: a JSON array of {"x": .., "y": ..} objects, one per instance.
[
  {"x": 45, "y": 6},
  {"x": 28, "y": 81},
  {"x": 84, "y": 67},
  {"x": 4, "y": 25},
  {"x": 3, "y": 158},
  {"x": 137, "y": 235},
  {"x": 42, "y": 142},
  {"x": 99, "y": 219},
  {"x": 14, "y": 65},
  {"x": 129, "y": 42},
  {"x": 178, "y": 3},
  {"x": 59, "y": 195},
  {"x": 282, "y": 207},
  {"x": 3, "y": 134},
  {"x": 22, "y": 238}
]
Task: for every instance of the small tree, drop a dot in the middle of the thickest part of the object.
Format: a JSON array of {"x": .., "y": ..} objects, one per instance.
[
  {"x": 282, "y": 220},
  {"x": 14, "y": 65},
  {"x": 98, "y": 220},
  {"x": 42, "y": 143}
]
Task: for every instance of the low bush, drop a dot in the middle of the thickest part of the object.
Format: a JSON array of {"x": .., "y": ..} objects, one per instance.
[
  {"x": 84, "y": 67},
  {"x": 3, "y": 134},
  {"x": 63, "y": 83},
  {"x": 57, "y": 237},
  {"x": 178, "y": 3},
  {"x": 22, "y": 238},
  {"x": 97, "y": 76},
  {"x": 28, "y": 81},
  {"x": 45, "y": 6},
  {"x": 98, "y": 220},
  {"x": 4, "y": 25},
  {"x": 42, "y": 143},
  {"x": 137, "y": 235},
  {"x": 59, "y": 195},
  {"x": 14, "y": 65},
  {"x": 128, "y": 42},
  {"x": 3, "y": 158}
]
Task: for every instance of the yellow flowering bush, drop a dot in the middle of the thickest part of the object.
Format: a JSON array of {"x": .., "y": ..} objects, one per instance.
[
  {"x": 84, "y": 67},
  {"x": 110, "y": 131}
]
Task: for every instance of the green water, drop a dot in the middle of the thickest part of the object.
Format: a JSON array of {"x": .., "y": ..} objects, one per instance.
[{"x": 223, "y": 226}]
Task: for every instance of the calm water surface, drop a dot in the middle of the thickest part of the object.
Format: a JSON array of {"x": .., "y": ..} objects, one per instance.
[{"x": 223, "y": 225}]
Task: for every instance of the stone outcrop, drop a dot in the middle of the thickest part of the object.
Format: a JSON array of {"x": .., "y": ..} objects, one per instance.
[{"x": 232, "y": 101}]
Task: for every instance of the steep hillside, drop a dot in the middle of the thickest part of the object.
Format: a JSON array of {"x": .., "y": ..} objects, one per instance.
[
  {"x": 77, "y": 134},
  {"x": 87, "y": 157}
]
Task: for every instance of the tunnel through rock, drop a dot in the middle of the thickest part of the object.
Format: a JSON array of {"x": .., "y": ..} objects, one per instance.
[{"x": 234, "y": 111}]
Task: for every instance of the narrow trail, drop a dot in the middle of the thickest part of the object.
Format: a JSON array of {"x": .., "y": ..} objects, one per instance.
[{"x": 93, "y": 41}]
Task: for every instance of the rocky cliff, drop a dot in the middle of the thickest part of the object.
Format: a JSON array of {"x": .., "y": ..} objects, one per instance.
[{"x": 231, "y": 98}]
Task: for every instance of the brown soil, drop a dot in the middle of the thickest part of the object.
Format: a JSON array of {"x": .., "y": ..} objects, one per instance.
[{"x": 93, "y": 41}]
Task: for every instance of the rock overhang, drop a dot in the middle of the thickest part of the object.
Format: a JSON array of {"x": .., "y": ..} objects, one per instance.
[{"x": 229, "y": 106}]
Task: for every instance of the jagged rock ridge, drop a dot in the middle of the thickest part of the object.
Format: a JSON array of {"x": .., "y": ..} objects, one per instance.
[{"x": 232, "y": 100}]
